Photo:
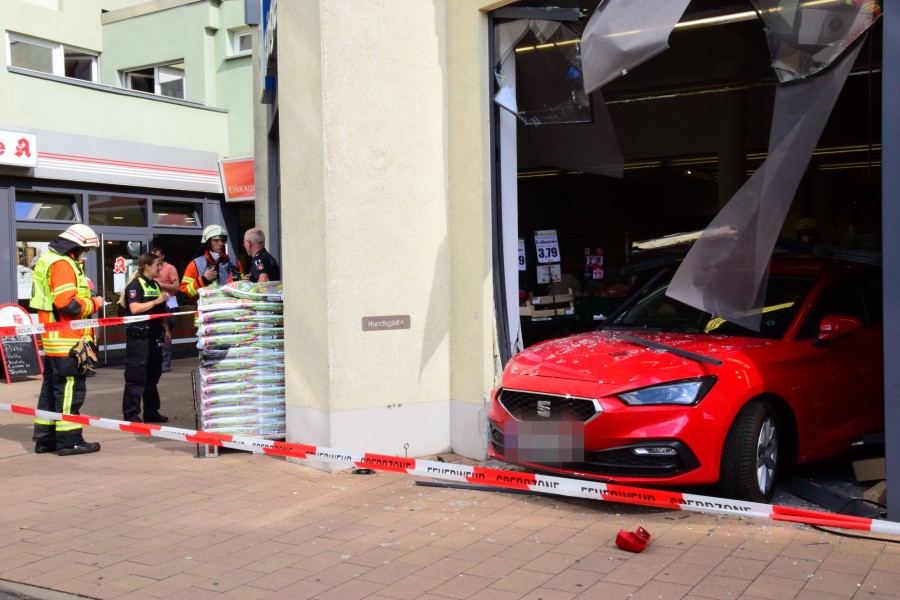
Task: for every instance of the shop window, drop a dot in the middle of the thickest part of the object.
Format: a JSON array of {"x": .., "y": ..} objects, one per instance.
[
  {"x": 161, "y": 81},
  {"x": 242, "y": 42},
  {"x": 118, "y": 211},
  {"x": 44, "y": 206},
  {"x": 53, "y": 58},
  {"x": 176, "y": 214},
  {"x": 30, "y": 245}
]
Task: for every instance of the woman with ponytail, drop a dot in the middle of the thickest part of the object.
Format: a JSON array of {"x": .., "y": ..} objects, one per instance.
[{"x": 143, "y": 341}]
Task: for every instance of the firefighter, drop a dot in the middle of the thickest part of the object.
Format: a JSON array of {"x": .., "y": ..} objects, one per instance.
[
  {"x": 143, "y": 341},
  {"x": 211, "y": 264},
  {"x": 61, "y": 293}
]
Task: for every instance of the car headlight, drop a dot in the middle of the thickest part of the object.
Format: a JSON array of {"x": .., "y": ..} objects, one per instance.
[{"x": 685, "y": 393}]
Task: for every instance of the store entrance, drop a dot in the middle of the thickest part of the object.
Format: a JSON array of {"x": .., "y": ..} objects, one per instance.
[{"x": 179, "y": 250}]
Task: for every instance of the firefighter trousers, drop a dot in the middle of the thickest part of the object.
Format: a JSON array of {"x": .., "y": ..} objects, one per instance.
[{"x": 63, "y": 391}]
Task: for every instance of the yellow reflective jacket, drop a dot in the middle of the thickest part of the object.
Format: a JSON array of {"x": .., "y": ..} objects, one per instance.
[{"x": 56, "y": 280}]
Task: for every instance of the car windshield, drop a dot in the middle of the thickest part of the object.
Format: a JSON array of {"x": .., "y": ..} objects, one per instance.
[{"x": 653, "y": 310}]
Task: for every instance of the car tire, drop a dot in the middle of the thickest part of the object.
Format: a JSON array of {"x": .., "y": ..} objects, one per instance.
[{"x": 750, "y": 454}]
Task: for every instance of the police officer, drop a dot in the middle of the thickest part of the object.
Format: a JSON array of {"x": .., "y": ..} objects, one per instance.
[
  {"x": 263, "y": 266},
  {"x": 61, "y": 293},
  {"x": 212, "y": 264},
  {"x": 143, "y": 341}
]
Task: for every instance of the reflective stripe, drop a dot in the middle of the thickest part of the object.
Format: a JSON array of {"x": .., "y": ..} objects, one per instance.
[
  {"x": 191, "y": 289},
  {"x": 68, "y": 396},
  {"x": 56, "y": 346},
  {"x": 42, "y": 422}
]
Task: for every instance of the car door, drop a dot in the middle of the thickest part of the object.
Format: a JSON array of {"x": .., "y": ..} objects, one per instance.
[{"x": 843, "y": 394}]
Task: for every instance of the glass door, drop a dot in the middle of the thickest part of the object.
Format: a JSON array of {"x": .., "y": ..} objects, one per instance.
[{"x": 116, "y": 261}]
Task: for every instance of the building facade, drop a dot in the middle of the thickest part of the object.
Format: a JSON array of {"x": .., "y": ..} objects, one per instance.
[
  {"x": 395, "y": 179},
  {"x": 129, "y": 107}
]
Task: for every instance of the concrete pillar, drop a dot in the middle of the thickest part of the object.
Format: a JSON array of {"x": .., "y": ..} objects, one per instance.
[{"x": 382, "y": 143}]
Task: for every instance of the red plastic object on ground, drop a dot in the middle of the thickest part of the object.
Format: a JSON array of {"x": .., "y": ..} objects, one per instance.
[{"x": 633, "y": 541}]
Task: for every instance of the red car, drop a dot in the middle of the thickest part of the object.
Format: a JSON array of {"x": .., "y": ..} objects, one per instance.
[{"x": 667, "y": 395}]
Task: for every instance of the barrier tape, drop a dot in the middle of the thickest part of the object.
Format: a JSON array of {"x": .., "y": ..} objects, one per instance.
[
  {"x": 498, "y": 478},
  {"x": 38, "y": 328}
]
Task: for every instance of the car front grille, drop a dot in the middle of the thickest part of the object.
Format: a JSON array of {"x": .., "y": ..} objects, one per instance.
[{"x": 528, "y": 406}]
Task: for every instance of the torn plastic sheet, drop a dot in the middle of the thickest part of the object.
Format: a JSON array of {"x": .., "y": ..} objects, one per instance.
[
  {"x": 539, "y": 74},
  {"x": 724, "y": 273},
  {"x": 806, "y": 37},
  {"x": 590, "y": 148},
  {"x": 622, "y": 34}
]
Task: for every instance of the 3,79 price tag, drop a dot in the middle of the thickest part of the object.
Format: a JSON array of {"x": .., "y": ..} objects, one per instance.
[
  {"x": 546, "y": 246},
  {"x": 522, "y": 255}
]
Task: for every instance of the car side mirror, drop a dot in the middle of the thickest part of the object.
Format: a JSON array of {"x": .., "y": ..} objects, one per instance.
[{"x": 833, "y": 327}]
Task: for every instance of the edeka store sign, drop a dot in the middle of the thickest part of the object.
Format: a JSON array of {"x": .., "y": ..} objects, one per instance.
[
  {"x": 237, "y": 179},
  {"x": 18, "y": 149}
]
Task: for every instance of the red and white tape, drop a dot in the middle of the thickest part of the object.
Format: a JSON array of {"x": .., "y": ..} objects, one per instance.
[
  {"x": 37, "y": 328},
  {"x": 516, "y": 480}
]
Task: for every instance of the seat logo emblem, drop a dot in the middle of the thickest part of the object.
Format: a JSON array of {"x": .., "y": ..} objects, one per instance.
[{"x": 543, "y": 408}]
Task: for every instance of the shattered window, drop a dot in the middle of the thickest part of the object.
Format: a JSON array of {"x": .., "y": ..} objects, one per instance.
[{"x": 547, "y": 86}]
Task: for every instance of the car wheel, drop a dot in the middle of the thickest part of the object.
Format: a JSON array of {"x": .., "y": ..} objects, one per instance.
[{"x": 750, "y": 455}]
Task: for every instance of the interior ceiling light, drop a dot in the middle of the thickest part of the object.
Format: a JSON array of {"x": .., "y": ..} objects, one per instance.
[
  {"x": 757, "y": 157},
  {"x": 855, "y": 165},
  {"x": 748, "y": 15},
  {"x": 549, "y": 45},
  {"x": 546, "y": 173}
]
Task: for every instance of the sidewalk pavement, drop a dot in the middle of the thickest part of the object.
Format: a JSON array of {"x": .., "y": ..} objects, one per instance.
[{"x": 145, "y": 518}]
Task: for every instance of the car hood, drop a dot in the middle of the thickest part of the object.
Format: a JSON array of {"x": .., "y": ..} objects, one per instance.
[{"x": 607, "y": 357}]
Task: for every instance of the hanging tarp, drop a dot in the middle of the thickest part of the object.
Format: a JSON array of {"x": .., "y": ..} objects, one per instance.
[
  {"x": 622, "y": 34},
  {"x": 725, "y": 271},
  {"x": 806, "y": 37}
]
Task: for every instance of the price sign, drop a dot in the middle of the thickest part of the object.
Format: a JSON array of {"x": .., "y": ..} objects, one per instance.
[
  {"x": 522, "y": 266},
  {"x": 546, "y": 246},
  {"x": 548, "y": 273}
]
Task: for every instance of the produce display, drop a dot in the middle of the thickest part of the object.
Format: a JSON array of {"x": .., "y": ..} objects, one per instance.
[{"x": 240, "y": 331}]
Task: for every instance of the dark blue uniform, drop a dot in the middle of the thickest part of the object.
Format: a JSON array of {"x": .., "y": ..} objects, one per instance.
[
  {"x": 143, "y": 354},
  {"x": 263, "y": 262}
]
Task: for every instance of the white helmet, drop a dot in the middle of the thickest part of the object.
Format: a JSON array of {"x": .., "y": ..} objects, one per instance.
[
  {"x": 82, "y": 235},
  {"x": 213, "y": 231}
]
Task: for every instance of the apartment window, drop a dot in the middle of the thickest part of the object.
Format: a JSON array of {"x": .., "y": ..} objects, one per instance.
[
  {"x": 51, "y": 57},
  {"x": 242, "y": 42},
  {"x": 165, "y": 80}
]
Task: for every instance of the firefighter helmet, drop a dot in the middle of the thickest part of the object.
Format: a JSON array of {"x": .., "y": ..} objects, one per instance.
[
  {"x": 82, "y": 235},
  {"x": 213, "y": 231}
]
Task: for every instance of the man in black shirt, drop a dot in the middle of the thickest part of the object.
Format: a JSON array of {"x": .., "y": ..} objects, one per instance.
[{"x": 263, "y": 266}]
